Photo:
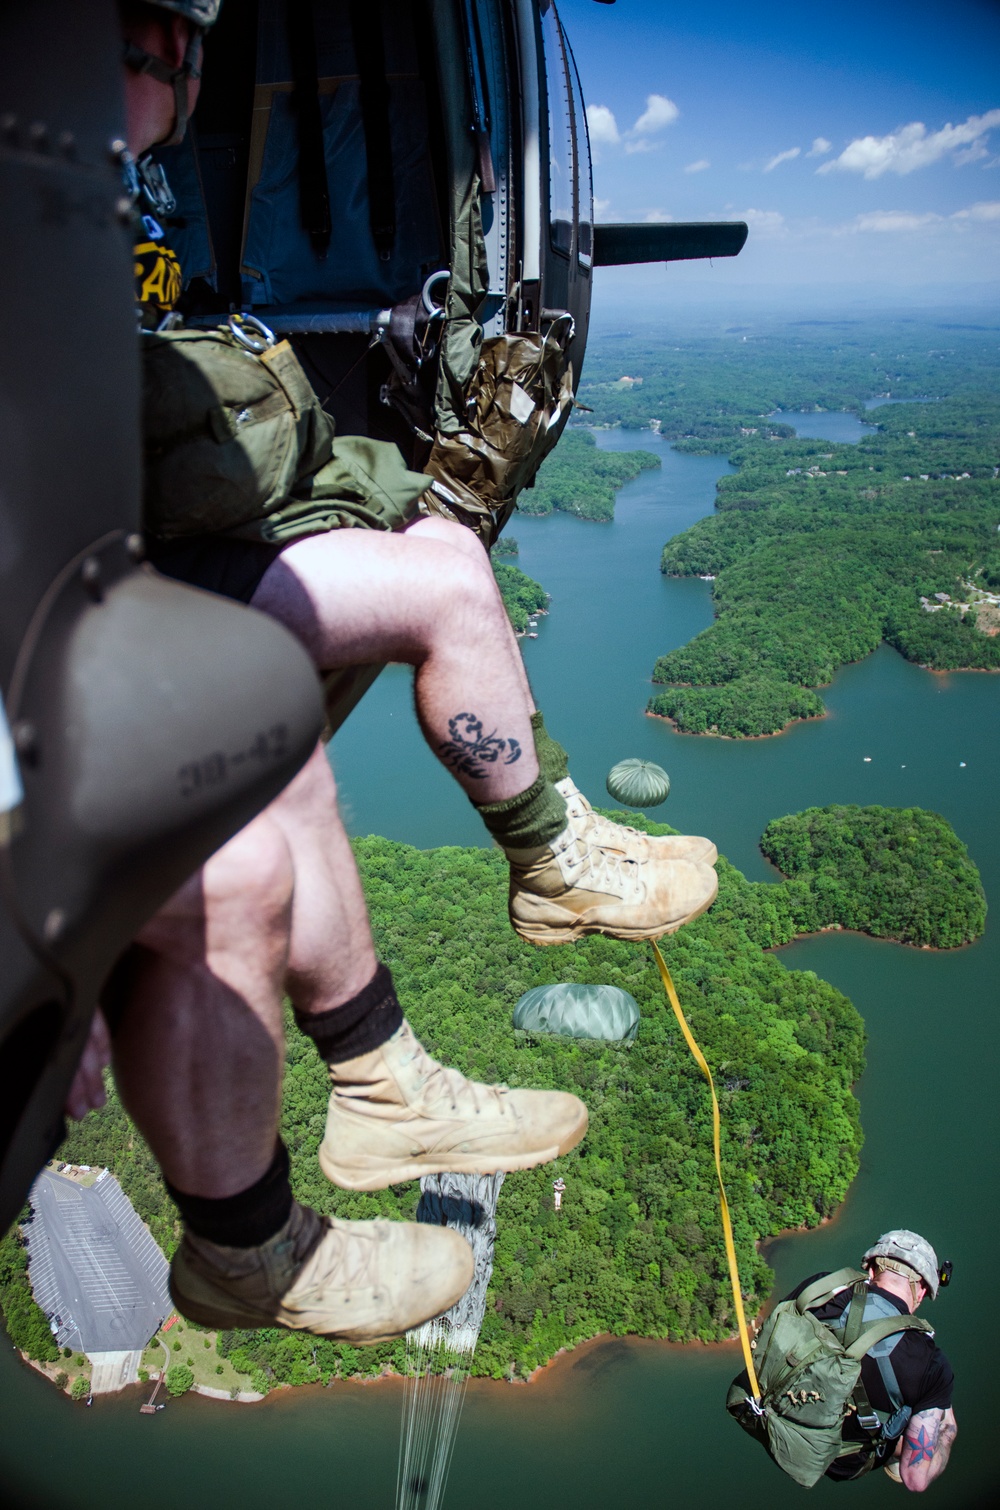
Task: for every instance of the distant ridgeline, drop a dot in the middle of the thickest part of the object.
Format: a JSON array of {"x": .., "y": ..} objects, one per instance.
[
  {"x": 579, "y": 479},
  {"x": 721, "y": 387},
  {"x": 820, "y": 551},
  {"x": 637, "y": 1246}
]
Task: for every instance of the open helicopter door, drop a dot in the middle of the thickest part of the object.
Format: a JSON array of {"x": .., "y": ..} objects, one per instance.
[{"x": 150, "y": 721}]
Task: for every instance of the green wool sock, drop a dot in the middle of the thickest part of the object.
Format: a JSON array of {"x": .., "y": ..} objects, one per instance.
[
  {"x": 552, "y": 758},
  {"x": 530, "y": 820}
]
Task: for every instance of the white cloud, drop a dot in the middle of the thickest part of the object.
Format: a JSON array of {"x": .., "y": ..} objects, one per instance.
[
  {"x": 894, "y": 220},
  {"x": 602, "y": 126},
  {"x": 820, "y": 147},
  {"x": 986, "y": 209},
  {"x": 912, "y": 146},
  {"x": 601, "y": 208},
  {"x": 699, "y": 166},
  {"x": 657, "y": 217},
  {"x": 764, "y": 222},
  {"x": 659, "y": 112},
  {"x": 782, "y": 157}
]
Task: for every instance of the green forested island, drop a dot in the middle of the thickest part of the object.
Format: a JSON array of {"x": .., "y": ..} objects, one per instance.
[
  {"x": 637, "y": 1247},
  {"x": 579, "y": 479},
  {"x": 820, "y": 551},
  {"x": 896, "y": 873}
]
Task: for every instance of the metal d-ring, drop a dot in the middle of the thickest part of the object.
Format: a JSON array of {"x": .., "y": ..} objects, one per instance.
[
  {"x": 237, "y": 324},
  {"x": 431, "y": 306}
]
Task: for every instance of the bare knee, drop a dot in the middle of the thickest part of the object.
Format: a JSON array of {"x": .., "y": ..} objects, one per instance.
[
  {"x": 241, "y": 898},
  {"x": 448, "y": 532}
]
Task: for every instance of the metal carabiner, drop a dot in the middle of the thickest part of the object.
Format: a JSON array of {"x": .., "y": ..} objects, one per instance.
[{"x": 237, "y": 322}]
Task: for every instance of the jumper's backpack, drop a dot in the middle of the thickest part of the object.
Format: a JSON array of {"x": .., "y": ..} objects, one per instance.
[{"x": 810, "y": 1378}]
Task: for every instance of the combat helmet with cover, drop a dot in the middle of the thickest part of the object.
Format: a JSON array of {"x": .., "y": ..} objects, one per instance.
[{"x": 907, "y": 1253}]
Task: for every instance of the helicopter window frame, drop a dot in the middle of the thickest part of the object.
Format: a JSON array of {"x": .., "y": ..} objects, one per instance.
[
  {"x": 563, "y": 155},
  {"x": 584, "y": 166}
]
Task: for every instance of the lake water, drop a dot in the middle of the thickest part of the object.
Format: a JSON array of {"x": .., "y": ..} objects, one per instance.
[
  {"x": 637, "y": 1423},
  {"x": 837, "y": 424}
]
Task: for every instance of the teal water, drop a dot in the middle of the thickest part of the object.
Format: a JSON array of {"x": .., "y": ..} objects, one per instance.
[{"x": 636, "y": 1423}]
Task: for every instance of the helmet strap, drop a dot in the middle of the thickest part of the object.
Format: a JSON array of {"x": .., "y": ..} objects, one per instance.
[
  {"x": 141, "y": 61},
  {"x": 897, "y": 1266}
]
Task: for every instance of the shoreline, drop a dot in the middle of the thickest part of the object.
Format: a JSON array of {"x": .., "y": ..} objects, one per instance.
[{"x": 734, "y": 738}]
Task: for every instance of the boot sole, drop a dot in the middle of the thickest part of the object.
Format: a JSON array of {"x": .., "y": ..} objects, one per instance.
[
  {"x": 368, "y": 1172},
  {"x": 543, "y": 933}
]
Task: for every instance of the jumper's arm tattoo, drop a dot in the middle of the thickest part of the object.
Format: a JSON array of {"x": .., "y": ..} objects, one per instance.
[
  {"x": 471, "y": 752},
  {"x": 927, "y": 1446}
]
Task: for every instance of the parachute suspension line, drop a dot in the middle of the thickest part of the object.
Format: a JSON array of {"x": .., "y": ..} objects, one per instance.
[
  {"x": 727, "y": 1226},
  {"x": 439, "y": 1354}
]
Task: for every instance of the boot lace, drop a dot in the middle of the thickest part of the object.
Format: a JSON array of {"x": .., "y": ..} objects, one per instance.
[
  {"x": 345, "y": 1258},
  {"x": 595, "y": 867},
  {"x": 442, "y": 1087}
]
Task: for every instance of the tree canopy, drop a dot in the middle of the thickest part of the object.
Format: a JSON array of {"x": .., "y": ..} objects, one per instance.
[
  {"x": 637, "y": 1246},
  {"x": 819, "y": 552}
]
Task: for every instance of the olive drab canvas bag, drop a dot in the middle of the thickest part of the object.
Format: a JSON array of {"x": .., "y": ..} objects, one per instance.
[
  {"x": 810, "y": 1377},
  {"x": 237, "y": 443}
]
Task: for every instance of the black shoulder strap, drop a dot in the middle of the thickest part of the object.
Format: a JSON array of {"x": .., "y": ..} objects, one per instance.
[
  {"x": 314, "y": 191},
  {"x": 369, "y": 52}
]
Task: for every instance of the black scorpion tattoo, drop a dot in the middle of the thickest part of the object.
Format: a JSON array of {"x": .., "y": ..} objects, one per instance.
[{"x": 470, "y": 751}]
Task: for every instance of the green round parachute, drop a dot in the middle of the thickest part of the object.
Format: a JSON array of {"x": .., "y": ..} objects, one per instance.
[
  {"x": 575, "y": 1011},
  {"x": 638, "y": 783}
]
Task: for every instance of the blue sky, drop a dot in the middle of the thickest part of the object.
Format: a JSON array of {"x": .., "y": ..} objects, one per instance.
[{"x": 861, "y": 141}]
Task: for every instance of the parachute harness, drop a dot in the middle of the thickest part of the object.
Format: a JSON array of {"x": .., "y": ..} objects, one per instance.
[{"x": 727, "y": 1226}]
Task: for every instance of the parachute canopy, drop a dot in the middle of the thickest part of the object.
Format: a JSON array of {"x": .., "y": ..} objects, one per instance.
[
  {"x": 576, "y": 1011},
  {"x": 638, "y": 783}
]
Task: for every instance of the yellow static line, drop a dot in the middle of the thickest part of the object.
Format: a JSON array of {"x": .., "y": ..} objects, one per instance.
[{"x": 727, "y": 1226}]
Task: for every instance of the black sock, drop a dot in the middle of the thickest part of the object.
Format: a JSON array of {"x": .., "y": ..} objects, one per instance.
[
  {"x": 244, "y": 1220},
  {"x": 364, "y": 1023}
]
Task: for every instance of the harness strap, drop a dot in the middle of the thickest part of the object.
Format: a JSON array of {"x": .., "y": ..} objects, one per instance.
[
  {"x": 369, "y": 52},
  {"x": 314, "y": 190},
  {"x": 727, "y": 1226},
  {"x": 885, "y": 1328},
  {"x": 824, "y": 1289}
]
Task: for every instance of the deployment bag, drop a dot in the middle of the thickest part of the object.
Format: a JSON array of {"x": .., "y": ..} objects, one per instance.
[
  {"x": 517, "y": 402},
  {"x": 237, "y": 443},
  {"x": 810, "y": 1378}
]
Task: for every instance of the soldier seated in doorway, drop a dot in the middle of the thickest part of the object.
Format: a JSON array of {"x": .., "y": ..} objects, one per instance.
[{"x": 196, "y": 1004}]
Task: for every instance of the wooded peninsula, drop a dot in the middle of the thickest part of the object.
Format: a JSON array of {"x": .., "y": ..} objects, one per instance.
[
  {"x": 637, "y": 1246},
  {"x": 819, "y": 551}
]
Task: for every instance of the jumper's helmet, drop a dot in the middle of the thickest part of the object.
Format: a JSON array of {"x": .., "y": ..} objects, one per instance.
[
  {"x": 907, "y": 1253},
  {"x": 203, "y": 13}
]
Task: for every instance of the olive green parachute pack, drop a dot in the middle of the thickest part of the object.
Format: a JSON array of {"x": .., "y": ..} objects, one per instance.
[
  {"x": 237, "y": 443},
  {"x": 810, "y": 1378}
]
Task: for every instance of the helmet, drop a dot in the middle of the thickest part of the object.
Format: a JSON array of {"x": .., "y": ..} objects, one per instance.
[
  {"x": 911, "y": 1251},
  {"x": 203, "y": 13}
]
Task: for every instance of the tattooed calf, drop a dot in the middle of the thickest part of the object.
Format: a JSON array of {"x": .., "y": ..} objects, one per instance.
[{"x": 471, "y": 752}]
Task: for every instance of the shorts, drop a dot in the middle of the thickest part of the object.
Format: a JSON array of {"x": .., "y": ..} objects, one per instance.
[{"x": 217, "y": 563}]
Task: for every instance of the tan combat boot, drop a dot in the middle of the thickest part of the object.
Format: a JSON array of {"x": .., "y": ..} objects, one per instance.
[
  {"x": 362, "y": 1282},
  {"x": 396, "y": 1114},
  {"x": 589, "y": 825},
  {"x": 581, "y": 883}
]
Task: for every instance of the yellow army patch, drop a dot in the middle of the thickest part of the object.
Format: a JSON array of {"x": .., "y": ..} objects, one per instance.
[{"x": 157, "y": 275}]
